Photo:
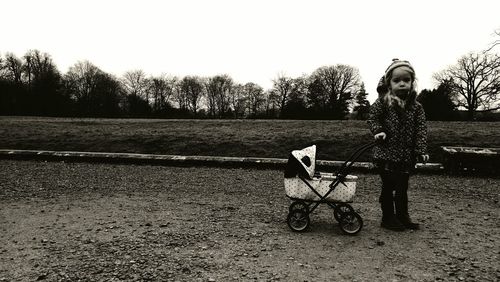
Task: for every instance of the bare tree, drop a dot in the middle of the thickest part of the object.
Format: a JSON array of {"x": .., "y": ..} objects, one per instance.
[
  {"x": 2, "y": 68},
  {"x": 156, "y": 89},
  {"x": 179, "y": 96},
  {"x": 282, "y": 86},
  {"x": 36, "y": 65},
  {"x": 192, "y": 88},
  {"x": 13, "y": 68},
  {"x": 81, "y": 80},
  {"x": 272, "y": 103},
  {"x": 218, "y": 94},
  {"x": 475, "y": 81},
  {"x": 331, "y": 87},
  {"x": 211, "y": 86},
  {"x": 161, "y": 89},
  {"x": 496, "y": 42},
  {"x": 237, "y": 100},
  {"x": 95, "y": 92},
  {"x": 299, "y": 90},
  {"x": 83, "y": 85},
  {"x": 136, "y": 84},
  {"x": 255, "y": 97}
]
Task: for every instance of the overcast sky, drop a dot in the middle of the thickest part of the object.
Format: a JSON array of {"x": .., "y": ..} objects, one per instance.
[{"x": 254, "y": 40}]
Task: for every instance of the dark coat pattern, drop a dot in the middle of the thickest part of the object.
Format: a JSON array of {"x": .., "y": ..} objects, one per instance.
[{"x": 406, "y": 131}]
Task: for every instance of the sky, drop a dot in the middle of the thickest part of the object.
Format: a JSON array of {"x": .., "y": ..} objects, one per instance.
[{"x": 251, "y": 40}]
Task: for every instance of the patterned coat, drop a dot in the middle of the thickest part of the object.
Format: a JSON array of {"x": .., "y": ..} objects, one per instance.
[{"x": 406, "y": 131}]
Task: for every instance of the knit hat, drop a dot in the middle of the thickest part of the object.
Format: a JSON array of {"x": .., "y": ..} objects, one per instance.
[
  {"x": 382, "y": 86},
  {"x": 396, "y": 63}
]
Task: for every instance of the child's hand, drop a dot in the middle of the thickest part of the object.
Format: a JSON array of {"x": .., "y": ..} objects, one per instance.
[
  {"x": 424, "y": 158},
  {"x": 380, "y": 136}
]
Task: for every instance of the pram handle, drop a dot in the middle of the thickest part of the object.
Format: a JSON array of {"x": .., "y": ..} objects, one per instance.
[
  {"x": 342, "y": 173},
  {"x": 352, "y": 159}
]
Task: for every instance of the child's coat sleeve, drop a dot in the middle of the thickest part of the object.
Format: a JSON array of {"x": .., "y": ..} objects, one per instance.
[
  {"x": 375, "y": 117},
  {"x": 421, "y": 131}
]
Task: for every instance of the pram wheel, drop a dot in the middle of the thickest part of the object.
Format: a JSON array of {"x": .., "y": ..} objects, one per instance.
[
  {"x": 298, "y": 220},
  {"x": 299, "y": 205},
  {"x": 351, "y": 223},
  {"x": 341, "y": 209}
]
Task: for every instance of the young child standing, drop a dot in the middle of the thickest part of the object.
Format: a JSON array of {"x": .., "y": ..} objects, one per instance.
[{"x": 398, "y": 120}]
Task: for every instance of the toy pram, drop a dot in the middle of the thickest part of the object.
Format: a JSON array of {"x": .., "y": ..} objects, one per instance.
[{"x": 308, "y": 188}]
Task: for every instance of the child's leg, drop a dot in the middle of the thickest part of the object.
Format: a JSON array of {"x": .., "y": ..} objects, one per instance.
[
  {"x": 401, "y": 195},
  {"x": 386, "y": 199},
  {"x": 401, "y": 201},
  {"x": 386, "y": 195}
]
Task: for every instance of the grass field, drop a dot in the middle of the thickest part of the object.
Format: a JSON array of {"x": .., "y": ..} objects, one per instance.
[{"x": 336, "y": 140}]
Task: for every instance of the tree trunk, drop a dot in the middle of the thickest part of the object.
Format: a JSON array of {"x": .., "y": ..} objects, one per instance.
[{"x": 471, "y": 114}]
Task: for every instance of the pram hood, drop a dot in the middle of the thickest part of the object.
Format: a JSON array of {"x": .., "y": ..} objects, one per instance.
[{"x": 302, "y": 163}]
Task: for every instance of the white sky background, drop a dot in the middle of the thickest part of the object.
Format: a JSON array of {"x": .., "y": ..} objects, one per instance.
[{"x": 254, "y": 40}]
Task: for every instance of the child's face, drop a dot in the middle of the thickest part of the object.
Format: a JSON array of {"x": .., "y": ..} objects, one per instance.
[{"x": 400, "y": 83}]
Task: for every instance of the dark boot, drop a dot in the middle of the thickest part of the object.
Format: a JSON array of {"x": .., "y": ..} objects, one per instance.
[
  {"x": 401, "y": 204},
  {"x": 389, "y": 220},
  {"x": 392, "y": 223},
  {"x": 407, "y": 223},
  {"x": 403, "y": 216}
]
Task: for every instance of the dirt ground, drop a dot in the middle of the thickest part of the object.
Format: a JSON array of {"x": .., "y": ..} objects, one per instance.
[{"x": 110, "y": 222}]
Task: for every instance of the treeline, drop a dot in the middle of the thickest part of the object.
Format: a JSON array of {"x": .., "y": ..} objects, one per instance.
[{"x": 32, "y": 85}]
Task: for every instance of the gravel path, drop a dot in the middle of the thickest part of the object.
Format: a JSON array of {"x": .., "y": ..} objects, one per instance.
[{"x": 101, "y": 222}]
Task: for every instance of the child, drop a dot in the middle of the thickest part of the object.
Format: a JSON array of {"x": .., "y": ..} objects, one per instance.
[{"x": 398, "y": 120}]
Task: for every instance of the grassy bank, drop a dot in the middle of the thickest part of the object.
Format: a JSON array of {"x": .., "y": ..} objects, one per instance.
[{"x": 336, "y": 140}]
